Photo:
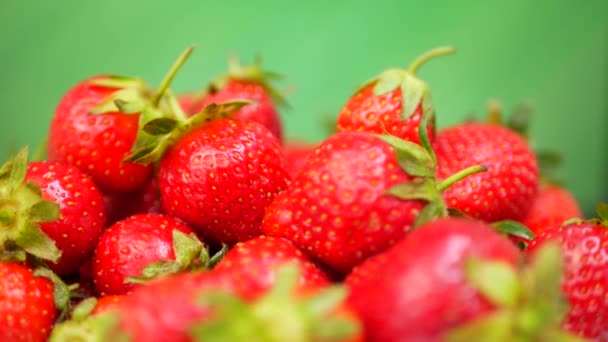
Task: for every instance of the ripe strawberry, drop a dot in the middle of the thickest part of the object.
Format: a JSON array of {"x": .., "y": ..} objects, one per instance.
[
  {"x": 81, "y": 208},
  {"x": 107, "y": 303},
  {"x": 442, "y": 279},
  {"x": 354, "y": 199},
  {"x": 250, "y": 83},
  {"x": 585, "y": 279},
  {"x": 552, "y": 206},
  {"x": 507, "y": 190},
  {"x": 145, "y": 200},
  {"x": 393, "y": 102},
  {"x": 297, "y": 153},
  {"x": 127, "y": 247},
  {"x": 27, "y": 307},
  {"x": 254, "y": 264},
  {"x": 221, "y": 176},
  {"x": 97, "y": 144}
]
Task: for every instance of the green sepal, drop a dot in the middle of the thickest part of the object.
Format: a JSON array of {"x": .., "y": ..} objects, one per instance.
[
  {"x": 124, "y": 97},
  {"x": 494, "y": 327},
  {"x": 545, "y": 272},
  {"x": 412, "y": 158},
  {"x": 602, "y": 212},
  {"x": 18, "y": 169},
  {"x": 97, "y": 328},
  {"x": 432, "y": 211},
  {"x": 44, "y": 211},
  {"x": 215, "y": 258},
  {"x": 119, "y": 82},
  {"x": 388, "y": 81},
  {"x": 83, "y": 309},
  {"x": 160, "y": 126},
  {"x": 413, "y": 91},
  {"x": 61, "y": 291},
  {"x": 155, "y": 148},
  {"x": 419, "y": 188},
  {"x": 496, "y": 280},
  {"x": 133, "y": 106},
  {"x": 520, "y": 118},
  {"x": 514, "y": 228},
  {"x": 34, "y": 241},
  {"x": 187, "y": 248}
]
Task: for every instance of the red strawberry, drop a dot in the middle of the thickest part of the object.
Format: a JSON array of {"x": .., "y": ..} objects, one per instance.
[
  {"x": 552, "y": 206},
  {"x": 97, "y": 144},
  {"x": 585, "y": 279},
  {"x": 144, "y": 200},
  {"x": 107, "y": 303},
  {"x": 81, "y": 208},
  {"x": 127, "y": 247},
  {"x": 187, "y": 101},
  {"x": 250, "y": 83},
  {"x": 507, "y": 190},
  {"x": 221, "y": 176},
  {"x": 393, "y": 102},
  {"x": 442, "y": 279},
  {"x": 353, "y": 199},
  {"x": 27, "y": 307},
  {"x": 296, "y": 153},
  {"x": 254, "y": 263}
]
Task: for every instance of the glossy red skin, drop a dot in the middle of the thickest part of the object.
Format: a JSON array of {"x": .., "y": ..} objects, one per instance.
[
  {"x": 96, "y": 144},
  {"x": 254, "y": 264},
  {"x": 167, "y": 308},
  {"x": 418, "y": 292},
  {"x": 263, "y": 111},
  {"x": 365, "y": 111},
  {"x": 552, "y": 206},
  {"x": 128, "y": 246},
  {"x": 107, "y": 303},
  {"x": 220, "y": 178},
  {"x": 145, "y": 200},
  {"x": 585, "y": 281},
  {"x": 297, "y": 153},
  {"x": 507, "y": 190},
  {"x": 27, "y": 307},
  {"x": 81, "y": 208},
  {"x": 337, "y": 209}
]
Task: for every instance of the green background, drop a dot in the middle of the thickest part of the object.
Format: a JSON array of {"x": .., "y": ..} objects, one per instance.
[{"x": 554, "y": 54}]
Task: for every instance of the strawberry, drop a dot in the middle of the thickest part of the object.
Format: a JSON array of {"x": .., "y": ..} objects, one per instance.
[
  {"x": 221, "y": 176},
  {"x": 96, "y": 126},
  {"x": 144, "y": 200},
  {"x": 296, "y": 153},
  {"x": 585, "y": 278},
  {"x": 107, "y": 303},
  {"x": 254, "y": 263},
  {"x": 127, "y": 247},
  {"x": 553, "y": 205},
  {"x": 440, "y": 283},
  {"x": 355, "y": 197},
  {"x": 507, "y": 190},
  {"x": 246, "y": 82},
  {"x": 82, "y": 216},
  {"x": 392, "y": 102},
  {"x": 27, "y": 307}
]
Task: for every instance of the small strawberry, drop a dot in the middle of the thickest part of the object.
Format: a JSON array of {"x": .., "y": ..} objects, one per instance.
[
  {"x": 129, "y": 246},
  {"x": 94, "y": 129},
  {"x": 357, "y": 195},
  {"x": 585, "y": 279},
  {"x": 296, "y": 153},
  {"x": 456, "y": 279},
  {"x": 27, "y": 307},
  {"x": 254, "y": 264},
  {"x": 81, "y": 209},
  {"x": 247, "y": 82},
  {"x": 393, "y": 102},
  {"x": 507, "y": 190},
  {"x": 145, "y": 200}
]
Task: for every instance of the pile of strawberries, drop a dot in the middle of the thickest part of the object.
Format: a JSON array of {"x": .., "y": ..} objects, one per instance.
[{"x": 161, "y": 217}]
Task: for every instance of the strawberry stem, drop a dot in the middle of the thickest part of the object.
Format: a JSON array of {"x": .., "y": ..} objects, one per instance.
[
  {"x": 462, "y": 174},
  {"x": 425, "y": 57},
  {"x": 171, "y": 74}
]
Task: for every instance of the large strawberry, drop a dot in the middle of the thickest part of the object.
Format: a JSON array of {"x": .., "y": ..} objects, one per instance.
[
  {"x": 93, "y": 129},
  {"x": 392, "y": 102},
  {"x": 456, "y": 280},
  {"x": 246, "y": 82},
  {"x": 129, "y": 246},
  {"x": 507, "y": 190},
  {"x": 585, "y": 279},
  {"x": 81, "y": 209},
  {"x": 358, "y": 194},
  {"x": 254, "y": 264},
  {"x": 27, "y": 307}
]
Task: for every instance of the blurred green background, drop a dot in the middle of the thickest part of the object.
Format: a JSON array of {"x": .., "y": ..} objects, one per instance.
[{"x": 553, "y": 54}]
